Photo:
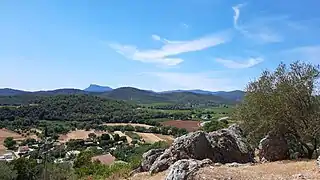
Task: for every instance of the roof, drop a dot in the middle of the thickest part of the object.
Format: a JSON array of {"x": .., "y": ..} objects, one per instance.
[
  {"x": 23, "y": 148},
  {"x": 104, "y": 159}
]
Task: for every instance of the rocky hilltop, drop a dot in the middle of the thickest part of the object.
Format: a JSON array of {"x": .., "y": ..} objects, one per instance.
[
  {"x": 224, "y": 154},
  {"x": 190, "y": 152}
]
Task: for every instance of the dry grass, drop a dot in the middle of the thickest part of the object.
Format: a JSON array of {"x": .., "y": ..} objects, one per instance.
[
  {"x": 147, "y": 176},
  {"x": 124, "y": 124},
  {"x": 78, "y": 134},
  {"x": 282, "y": 170},
  {"x": 4, "y": 133},
  {"x": 149, "y": 137},
  {"x": 167, "y": 138}
]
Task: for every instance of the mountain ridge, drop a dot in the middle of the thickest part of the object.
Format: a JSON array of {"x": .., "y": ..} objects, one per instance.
[{"x": 139, "y": 95}]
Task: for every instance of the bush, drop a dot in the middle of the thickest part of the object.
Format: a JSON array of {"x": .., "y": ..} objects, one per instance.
[{"x": 214, "y": 125}]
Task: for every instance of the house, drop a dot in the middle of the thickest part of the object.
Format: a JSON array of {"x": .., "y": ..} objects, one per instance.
[
  {"x": 72, "y": 153},
  {"x": 59, "y": 160},
  {"x": 8, "y": 157},
  {"x": 104, "y": 159},
  {"x": 23, "y": 150}
]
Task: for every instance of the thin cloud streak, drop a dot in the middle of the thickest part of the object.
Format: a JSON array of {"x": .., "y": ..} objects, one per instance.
[
  {"x": 239, "y": 65},
  {"x": 164, "y": 54},
  {"x": 257, "y": 32}
]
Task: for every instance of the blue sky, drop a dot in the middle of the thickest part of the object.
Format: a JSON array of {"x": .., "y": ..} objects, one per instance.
[{"x": 157, "y": 45}]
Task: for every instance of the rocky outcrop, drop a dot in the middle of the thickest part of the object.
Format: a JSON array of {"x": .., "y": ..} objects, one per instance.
[
  {"x": 273, "y": 148},
  {"x": 223, "y": 146},
  {"x": 149, "y": 157},
  {"x": 230, "y": 146},
  {"x": 184, "y": 169}
]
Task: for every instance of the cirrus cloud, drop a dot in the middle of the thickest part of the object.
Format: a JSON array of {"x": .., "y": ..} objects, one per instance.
[
  {"x": 232, "y": 64},
  {"x": 164, "y": 55}
]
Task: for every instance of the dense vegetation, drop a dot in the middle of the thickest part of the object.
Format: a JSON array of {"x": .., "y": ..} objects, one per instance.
[
  {"x": 183, "y": 99},
  {"x": 284, "y": 102}
]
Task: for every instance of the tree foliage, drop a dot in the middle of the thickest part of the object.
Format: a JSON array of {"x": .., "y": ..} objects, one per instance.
[
  {"x": 284, "y": 101},
  {"x": 10, "y": 143}
]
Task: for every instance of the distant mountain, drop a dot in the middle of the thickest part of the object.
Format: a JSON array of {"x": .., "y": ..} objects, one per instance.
[
  {"x": 236, "y": 95},
  {"x": 197, "y": 91},
  {"x": 66, "y": 91},
  {"x": 97, "y": 88},
  {"x": 134, "y": 94},
  {"x": 145, "y": 97},
  {"x": 11, "y": 92},
  {"x": 12, "y": 96}
]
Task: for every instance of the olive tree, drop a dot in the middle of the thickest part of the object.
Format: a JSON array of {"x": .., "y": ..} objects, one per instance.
[{"x": 284, "y": 101}]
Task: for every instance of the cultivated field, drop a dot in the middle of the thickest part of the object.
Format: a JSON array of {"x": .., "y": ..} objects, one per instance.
[
  {"x": 124, "y": 124},
  {"x": 78, "y": 134},
  {"x": 188, "y": 125},
  {"x": 281, "y": 170},
  {"x": 150, "y": 137},
  {"x": 167, "y": 138},
  {"x": 4, "y": 133}
]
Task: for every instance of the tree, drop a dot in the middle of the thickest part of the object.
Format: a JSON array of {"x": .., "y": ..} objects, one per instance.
[
  {"x": 285, "y": 102},
  {"x": 10, "y": 143},
  {"x": 105, "y": 137},
  {"x": 214, "y": 125},
  {"x": 92, "y": 136},
  {"x": 83, "y": 159},
  {"x": 116, "y": 137},
  {"x": 27, "y": 169},
  {"x": 7, "y": 172}
]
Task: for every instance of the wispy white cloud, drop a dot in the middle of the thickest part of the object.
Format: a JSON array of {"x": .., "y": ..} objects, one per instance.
[
  {"x": 203, "y": 81},
  {"x": 257, "y": 30},
  {"x": 239, "y": 64},
  {"x": 304, "y": 53},
  {"x": 184, "y": 25},
  {"x": 164, "y": 54},
  {"x": 236, "y": 16},
  {"x": 155, "y": 37}
]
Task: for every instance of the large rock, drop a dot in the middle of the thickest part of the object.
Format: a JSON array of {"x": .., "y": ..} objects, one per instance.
[
  {"x": 230, "y": 146},
  {"x": 223, "y": 146},
  {"x": 273, "y": 147},
  {"x": 184, "y": 169},
  {"x": 149, "y": 157}
]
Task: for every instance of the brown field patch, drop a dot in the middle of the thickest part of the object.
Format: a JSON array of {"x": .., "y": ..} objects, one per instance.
[
  {"x": 124, "y": 124},
  {"x": 167, "y": 138},
  {"x": 104, "y": 159},
  {"x": 4, "y": 133},
  {"x": 149, "y": 137},
  {"x": 78, "y": 134},
  {"x": 188, "y": 125}
]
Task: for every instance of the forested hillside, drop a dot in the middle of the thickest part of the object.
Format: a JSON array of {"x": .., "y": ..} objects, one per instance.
[{"x": 17, "y": 97}]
